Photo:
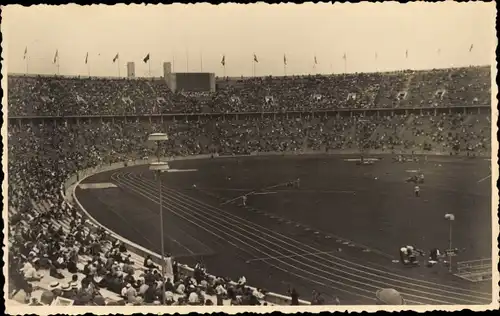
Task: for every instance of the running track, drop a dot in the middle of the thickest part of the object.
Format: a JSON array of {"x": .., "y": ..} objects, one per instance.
[{"x": 352, "y": 279}]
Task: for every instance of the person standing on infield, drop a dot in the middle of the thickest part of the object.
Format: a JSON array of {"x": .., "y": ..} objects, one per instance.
[{"x": 417, "y": 191}]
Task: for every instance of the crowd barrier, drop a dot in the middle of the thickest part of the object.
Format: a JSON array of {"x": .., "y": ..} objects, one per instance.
[
  {"x": 370, "y": 152},
  {"x": 73, "y": 181}
]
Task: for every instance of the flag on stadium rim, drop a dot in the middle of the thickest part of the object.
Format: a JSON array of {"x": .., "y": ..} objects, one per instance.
[
  {"x": 471, "y": 47},
  {"x": 284, "y": 59},
  {"x": 56, "y": 56},
  {"x": 255, "y": 58},
  {"x": 223, "y": 61},
  {"x": 25, "y": 52},
  {"x": 345, "y": 56},
  {"x": 146, "y": 59},
  {"x": 86, "y": 58},
  {"x": 315, "y": 60},
  {"x": 116, "y": 57},
  {"x": 376, "y": 55},
  {"x": 406, "y": 53}
]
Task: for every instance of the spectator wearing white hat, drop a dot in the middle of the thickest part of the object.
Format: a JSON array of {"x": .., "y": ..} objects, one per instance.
[
  {"x": 143, "y": 287},
  {"x": 220, "y": 292},
  {"x": 169, "y": 297},
  {"x": 55, "y": 288},
  {"x": 181, "y": 288},
  {"x": 124, "y": 290},
  {"x": 35, "y": 302},
  {"x": 242, "y": 281},
  {"x": 68, "y": 292},
  {"x": 30, "y": 273},
  {"x": 258, "y": 294},
  {"x": 193, "y": 298},
  {"x": 130, "y": 293}
]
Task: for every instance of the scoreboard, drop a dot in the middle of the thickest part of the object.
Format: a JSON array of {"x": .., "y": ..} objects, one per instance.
[{"x": 192, "y": 82}]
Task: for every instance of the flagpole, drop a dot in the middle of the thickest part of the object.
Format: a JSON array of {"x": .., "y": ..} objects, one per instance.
[
  {"x": 253, "y": 65},
  {"x": 27, "y": 62},
  {"x": 438, "y": 57},
  {"x": 284, "y": 64},
  {"x": 58, "y": 65},
  {"x": 345, "y": 63},
  {"x": 118, "y": 65},
  {"x": 149, "y": 64},
  {"x": 88, "y": 68},
  {"x": 201, "y": 61},
  {"x": 470, "y": 55},
  {"x": 314, "y": 64}
]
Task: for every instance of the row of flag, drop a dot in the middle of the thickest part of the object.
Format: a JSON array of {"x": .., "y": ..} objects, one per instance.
[
  {"x": 117, "y": 56},
  {"x": 56, "y": 56},
  {"x": 285, "y": 62},
  {"x": 223, "y": 61}
]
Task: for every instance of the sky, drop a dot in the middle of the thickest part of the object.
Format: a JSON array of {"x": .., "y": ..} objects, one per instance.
[{"x": 195, "y": 37}]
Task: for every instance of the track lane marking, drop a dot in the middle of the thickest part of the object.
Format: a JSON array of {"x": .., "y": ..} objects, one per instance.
[
  {"x": 379, "y": 281},
  {"x": 460, "y": 294},
  {"x": 207, "y": 206},
  {"x": 147, "y": 196}
]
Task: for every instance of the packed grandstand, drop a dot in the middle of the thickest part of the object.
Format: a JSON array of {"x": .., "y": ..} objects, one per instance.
[{"x": 59, "y": 125}]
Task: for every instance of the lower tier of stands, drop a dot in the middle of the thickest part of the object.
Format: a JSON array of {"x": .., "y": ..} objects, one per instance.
[{"x": 46, "y": 233}]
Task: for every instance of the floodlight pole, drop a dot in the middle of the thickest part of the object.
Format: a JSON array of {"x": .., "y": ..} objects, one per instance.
[
  {"x": 158, "y": 167},
  {"x": 450, "y": 218},
  {"x": 162, "y": 240},
  {"x": 451, "y": 231}
]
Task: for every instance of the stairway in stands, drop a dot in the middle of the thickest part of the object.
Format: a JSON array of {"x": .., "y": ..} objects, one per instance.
[{"x": 407, "y": 123}]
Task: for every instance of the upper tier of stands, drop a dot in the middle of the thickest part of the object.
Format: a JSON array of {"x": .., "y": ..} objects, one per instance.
[{"x": 63, "y": 96}]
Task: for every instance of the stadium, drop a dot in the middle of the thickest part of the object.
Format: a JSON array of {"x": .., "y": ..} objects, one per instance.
[
  {"x": 204, "y": 158},
  {"x": 298, "y": 196}
]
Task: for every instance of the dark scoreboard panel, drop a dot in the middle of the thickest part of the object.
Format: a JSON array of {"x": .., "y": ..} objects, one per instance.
[{"x": 193, "y": 81}]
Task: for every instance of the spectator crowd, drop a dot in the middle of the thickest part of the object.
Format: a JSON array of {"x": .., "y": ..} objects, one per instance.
[
  {"x": 53, "y": 251},
  {"x": 64, "y": 96}
]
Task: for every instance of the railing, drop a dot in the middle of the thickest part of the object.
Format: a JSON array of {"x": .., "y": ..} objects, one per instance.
[
  {"x": 471, "y": 108},
  {"x": 475, "y": 270},
  {"x": 74, "y": 180}
]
